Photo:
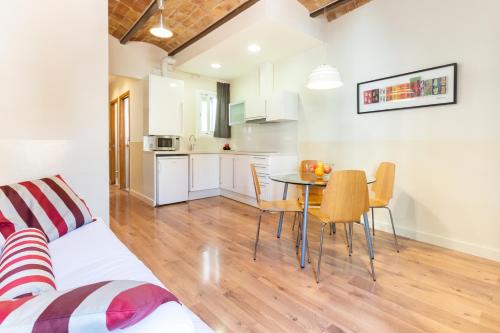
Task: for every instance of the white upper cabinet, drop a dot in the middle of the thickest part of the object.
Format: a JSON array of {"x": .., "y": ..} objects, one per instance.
[
  {"x": 163, "y": 106},
  {"x": 255, "y": 108},
  {"x": 204, "y": 172},
  {"x": 282, "y": 106}
]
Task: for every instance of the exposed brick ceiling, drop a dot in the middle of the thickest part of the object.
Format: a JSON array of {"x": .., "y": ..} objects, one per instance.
[{"x": 188, "y": 18}]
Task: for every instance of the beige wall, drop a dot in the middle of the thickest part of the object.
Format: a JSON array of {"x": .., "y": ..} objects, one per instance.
[
  {"x": 447, "y": 181},
  {"x": 53, "y": 95}
]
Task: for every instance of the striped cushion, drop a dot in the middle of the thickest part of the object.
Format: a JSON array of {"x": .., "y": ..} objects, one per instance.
[
  {"x": 47, "y": 204},
  {"x": 99, "y": 307},
  {"x": 25, "y": 265}
]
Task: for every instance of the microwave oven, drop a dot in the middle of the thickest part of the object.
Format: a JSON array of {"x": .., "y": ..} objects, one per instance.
[{"x": 161, "y": 142}]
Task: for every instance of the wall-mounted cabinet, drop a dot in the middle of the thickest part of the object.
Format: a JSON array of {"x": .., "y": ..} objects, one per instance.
[
  {"x": 236, "y": 113},
  {"x": 255, "y": 108},
  {"x": 163, "y": 105},
  {"x": 282, "y": 106}
]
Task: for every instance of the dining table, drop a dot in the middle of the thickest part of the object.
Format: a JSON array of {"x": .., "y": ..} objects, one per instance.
[{"x": 306, "y": 180}]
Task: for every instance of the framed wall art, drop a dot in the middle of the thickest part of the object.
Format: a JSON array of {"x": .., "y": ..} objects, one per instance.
[{"x": 427, "y": 87}]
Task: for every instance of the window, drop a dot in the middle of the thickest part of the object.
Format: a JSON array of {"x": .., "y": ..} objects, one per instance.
[{"x": 207, "y": 106}]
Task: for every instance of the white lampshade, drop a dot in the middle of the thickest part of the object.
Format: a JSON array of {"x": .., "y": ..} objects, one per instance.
[
  {"x": 324, "y": 77},
  {"x": 160, "y": 31}
]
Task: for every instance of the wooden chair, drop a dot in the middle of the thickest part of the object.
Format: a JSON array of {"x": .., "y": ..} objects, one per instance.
[
  {"x": 345, "y": 199},
  {"x": 382, "y": 190},
  {"x": 270, "y": 206}
]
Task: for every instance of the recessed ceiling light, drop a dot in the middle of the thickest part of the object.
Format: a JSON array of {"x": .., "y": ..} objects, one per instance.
[
  {"x": 254, "y": 48},
  {"x": 216, "y": 66}
]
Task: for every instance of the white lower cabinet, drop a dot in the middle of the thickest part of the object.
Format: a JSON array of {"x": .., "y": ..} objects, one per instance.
[
  {"x": 227, "y": 172},
  {"x": 204, "y": 172},
  {"x": 236, "y": 179}
]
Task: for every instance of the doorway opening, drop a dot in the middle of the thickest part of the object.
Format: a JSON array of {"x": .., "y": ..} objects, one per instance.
[{"x": 119, "y": 142}]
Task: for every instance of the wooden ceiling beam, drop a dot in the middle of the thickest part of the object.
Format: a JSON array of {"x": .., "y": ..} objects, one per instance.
[
  {"x": 214, "y": 26},
  {"x": 329, "y": 7},
  {"x": 146, "y": 15}
]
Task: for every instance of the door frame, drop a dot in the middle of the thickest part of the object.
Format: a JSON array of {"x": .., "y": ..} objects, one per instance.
[
  {"x": 124, "y": 164},
  {"x": 112, "y": 140}
]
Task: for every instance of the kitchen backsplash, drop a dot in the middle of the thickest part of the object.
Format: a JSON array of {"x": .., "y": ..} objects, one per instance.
[{"x": 270, "y": 137}]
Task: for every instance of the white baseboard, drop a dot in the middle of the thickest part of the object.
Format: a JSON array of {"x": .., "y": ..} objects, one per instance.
[
  {"x": 239, "y": 197},
  {"x": 142, "y": 197},
  {"x": 195, "y": 195},
  {"x": 453, "y": 244}
]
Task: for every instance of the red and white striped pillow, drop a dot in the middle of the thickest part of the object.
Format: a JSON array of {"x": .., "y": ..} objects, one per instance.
[
  {"x": 99, "y": 307},
  {"x": 48, "y": 204},
  {"x": 25, "y": 265}
]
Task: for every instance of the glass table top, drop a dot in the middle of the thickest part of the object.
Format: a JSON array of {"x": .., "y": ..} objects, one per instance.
[{"x": 306, "y": 178}]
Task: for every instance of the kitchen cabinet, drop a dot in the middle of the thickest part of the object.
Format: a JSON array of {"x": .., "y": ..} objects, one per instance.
[
  {"x": 243, "y": 181},
  {"x": 163, "y": 105},
  {"x": 255, "y": 108},
  {"x": 282, "y": 106},
  {"x": 236, "y": 177},
  {"x": 203, "y": 172},
  {"x": 226, "y": 174},
  {"x": 236, "y": 113}
]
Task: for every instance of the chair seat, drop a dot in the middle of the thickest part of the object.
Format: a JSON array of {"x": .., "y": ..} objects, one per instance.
[
  {"x": 280, "y": 206},
  {"x": 377, "y": 203}
]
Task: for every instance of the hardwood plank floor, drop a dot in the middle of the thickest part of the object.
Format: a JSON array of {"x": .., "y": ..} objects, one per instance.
[{"x": 202, "y": 250}]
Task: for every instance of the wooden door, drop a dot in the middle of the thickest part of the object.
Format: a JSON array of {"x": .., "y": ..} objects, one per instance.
[
  {"x": 112, "y": 142},
  {"x": 123, "y": 144}
]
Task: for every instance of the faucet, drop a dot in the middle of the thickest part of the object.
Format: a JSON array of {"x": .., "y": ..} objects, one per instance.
[{"x": 192, "y": 141}]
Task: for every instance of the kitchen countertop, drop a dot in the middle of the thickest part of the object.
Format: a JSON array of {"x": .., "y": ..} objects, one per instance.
[{"x": 231, "y": 152}]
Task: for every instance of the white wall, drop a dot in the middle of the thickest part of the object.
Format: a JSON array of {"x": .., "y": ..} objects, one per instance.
[
  {"x": 447, "y": 179},
  {"x": 53, "y": 95},
  {"x": 135, "y": 59}
]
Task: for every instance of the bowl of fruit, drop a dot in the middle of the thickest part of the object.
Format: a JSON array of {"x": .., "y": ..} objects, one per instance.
[{"x": 320, "y": 169}]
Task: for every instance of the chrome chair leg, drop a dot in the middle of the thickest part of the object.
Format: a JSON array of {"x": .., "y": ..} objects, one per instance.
[
  {"x": 294, "y": 218},
  {"x": 369, "y": 243},
  {"x": 320, "y": 251},
  {"x": 373, "y": 220},
  {"x": 257, "y": 237},
  {"x": 308, "y": 254},
  {"x": 393, "y": 230},
  {"x": 297, "y": 242},
  {"x": 331, "y": 229},
  {"x": 346, "y": 236},
  {"x": 350, "y": 239}
]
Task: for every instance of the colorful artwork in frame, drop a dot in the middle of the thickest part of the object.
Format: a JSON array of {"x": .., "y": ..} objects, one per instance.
[{"x": 427, "y": 87}]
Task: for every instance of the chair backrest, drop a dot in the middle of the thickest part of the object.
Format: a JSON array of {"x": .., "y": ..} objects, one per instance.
[
  {"x": 345, "y": 198},
  {"x": 315, "y": 192},
  {"x": 256, "y": 183},
  {"x": 383, "y": 187}
]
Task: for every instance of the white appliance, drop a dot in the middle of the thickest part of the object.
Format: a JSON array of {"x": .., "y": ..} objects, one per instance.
[
  {"x": 161, "y": 142},
  {"x": 172, "y": 178}
]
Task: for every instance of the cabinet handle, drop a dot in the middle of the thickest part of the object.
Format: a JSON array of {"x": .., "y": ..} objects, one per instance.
[
  {"x": 192, "y": 173},
  {"x": 233, "y": 172},
  {"x": 220, "y": 170}
]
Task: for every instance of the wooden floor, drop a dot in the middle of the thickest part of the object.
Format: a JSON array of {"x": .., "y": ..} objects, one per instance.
[{"x": 202, "y": 250}]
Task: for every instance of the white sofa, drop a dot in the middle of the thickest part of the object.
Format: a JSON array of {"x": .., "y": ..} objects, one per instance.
[{"x": 93, "y": 253}]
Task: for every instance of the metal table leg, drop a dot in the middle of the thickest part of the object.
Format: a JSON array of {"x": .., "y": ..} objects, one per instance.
[
  {"x": 282, "y": 214},
  {"x": 304, "y": 227}
]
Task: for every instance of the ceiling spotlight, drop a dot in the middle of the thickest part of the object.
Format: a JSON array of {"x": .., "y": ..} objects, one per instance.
[
  {"x": 160, "y": 31},
  {"x": 254, "y": 48},
  {"x": 216, "y": 66}
]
